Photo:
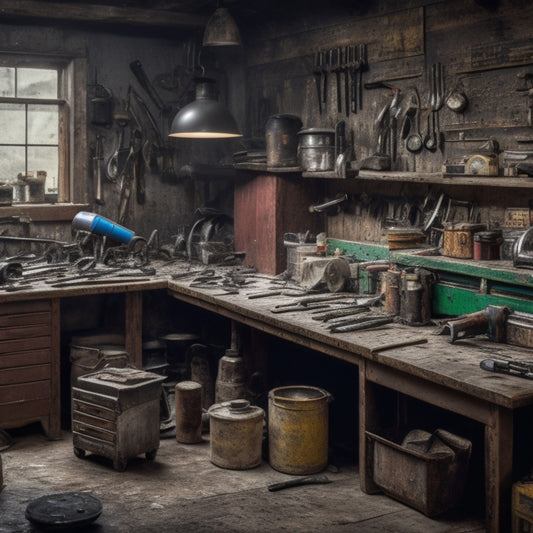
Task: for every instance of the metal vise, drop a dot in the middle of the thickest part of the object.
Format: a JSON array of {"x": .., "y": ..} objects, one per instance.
[{"x": 490, "y": 321}]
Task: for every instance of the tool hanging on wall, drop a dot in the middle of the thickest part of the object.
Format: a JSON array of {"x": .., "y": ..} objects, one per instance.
[
  {"x": 101, "y": 104},
  {"x": 527, "y": 90},
  {"x": 154, "y": 146},
  {"x": 413, "y": 141},
  {"x": 138, "y": 70},
  {"x": 97, "y": 170},
  {"x": 317, "y": 72},
  {"x": 433, "y": 139},
  {"x": 347, "y": 64},
  {"x": 117, "y": 160}
]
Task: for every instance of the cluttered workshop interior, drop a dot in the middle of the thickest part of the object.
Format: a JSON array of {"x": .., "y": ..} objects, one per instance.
[{"x": 266, "y": 266}]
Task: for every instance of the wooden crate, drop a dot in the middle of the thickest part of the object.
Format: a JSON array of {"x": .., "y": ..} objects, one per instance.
[{"x": 432, "y": 484}]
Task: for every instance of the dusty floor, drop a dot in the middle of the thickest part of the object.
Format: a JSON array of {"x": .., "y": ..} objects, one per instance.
[{"x": 182, "y": 491}]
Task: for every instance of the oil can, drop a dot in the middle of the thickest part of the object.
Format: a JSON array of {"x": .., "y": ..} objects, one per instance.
[{"x": 236, "y": 434}]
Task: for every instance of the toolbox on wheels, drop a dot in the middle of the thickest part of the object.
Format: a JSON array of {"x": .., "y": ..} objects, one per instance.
[{"x": 115, "y": 414}]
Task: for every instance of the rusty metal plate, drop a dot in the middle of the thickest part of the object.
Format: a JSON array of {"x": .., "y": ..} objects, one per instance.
[{"x": 64, "y": 510}]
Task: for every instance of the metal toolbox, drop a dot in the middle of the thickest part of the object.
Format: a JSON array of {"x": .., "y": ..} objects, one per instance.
[
  {"x": 115, "y": 414},
  {"x": 430, "y": 479}
]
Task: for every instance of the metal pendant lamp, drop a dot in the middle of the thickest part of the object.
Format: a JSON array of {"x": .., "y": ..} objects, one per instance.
[
  {"x": 206, "y": 117},
  {"x": 221, "y": 29}
]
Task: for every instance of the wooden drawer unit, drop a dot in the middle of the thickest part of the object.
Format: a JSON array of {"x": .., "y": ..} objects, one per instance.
[{"x": 29, "y": 365}]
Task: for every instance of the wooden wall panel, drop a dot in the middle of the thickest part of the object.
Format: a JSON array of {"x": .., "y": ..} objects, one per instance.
[
  {"x": 266, "y": 207},
  {"x": 395, "y": 35}
]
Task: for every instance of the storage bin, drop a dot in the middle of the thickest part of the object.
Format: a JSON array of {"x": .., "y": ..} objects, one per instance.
[
  {"x": 427, "y": 473},
  {"x": 522, "y": 507}
]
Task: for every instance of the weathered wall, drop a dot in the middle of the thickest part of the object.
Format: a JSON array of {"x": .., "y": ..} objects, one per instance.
[
  {"x": 171, "y": 195},
  {"x": 482, "y": 46}
]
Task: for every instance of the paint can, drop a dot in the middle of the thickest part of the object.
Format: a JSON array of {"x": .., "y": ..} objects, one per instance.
[{"x": 298, "y": 425}]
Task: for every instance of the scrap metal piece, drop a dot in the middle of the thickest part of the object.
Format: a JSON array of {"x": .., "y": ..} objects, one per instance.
[
  {"x": 345, "y": 321},
  {"x": 376, "y": 322},
  {"x": 339, "y": 313},
  {"x": 315, "y": 299},
  {"x": 64, "y": 510},
  {"x": 308, "y": 480},
  {"x": 298, "y": 307},
  {"x": 523, "y": 250}
]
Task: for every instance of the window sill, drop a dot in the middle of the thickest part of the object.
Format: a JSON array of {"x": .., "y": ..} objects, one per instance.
[{"x": 42, "y": 212}]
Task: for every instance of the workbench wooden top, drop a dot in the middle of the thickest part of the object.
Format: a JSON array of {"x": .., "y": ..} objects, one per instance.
[{"x": 416, "y": 351}]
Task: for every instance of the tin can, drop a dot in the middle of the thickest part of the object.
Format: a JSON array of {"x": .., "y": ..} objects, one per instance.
[
  {"x": 316, "y": 149},
  {"x": 459, "y": 239},
  {"x": 281, "y": 132},
  {"x": 487, "y": 245}
]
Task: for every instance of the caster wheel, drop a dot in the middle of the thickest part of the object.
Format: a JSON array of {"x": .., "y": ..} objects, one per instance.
[
  {"x": 120, "y": 465},
  {"x": 78, "y": 452},
  {"x": 151, "y": 455}
]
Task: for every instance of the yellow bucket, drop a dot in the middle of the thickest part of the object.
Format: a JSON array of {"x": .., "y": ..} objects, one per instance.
[{"x": 298, "y": 418}]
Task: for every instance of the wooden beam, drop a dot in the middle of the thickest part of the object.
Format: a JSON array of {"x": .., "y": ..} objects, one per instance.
[{"x": 99, "y": 14}]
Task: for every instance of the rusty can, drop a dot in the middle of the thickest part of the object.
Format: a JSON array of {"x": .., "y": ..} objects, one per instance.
[
  {"x": 281, "y": 132},
  {"x": 392, "y": 291},
  {"x": 188, "y": 398},
  {"x": 487, "y": 245},
  {"x": 298, "y": 426},
  {"x": 415, "y": 296},
  {"x": 459, "y": 239},
  {"x": 236, "y": 434}
]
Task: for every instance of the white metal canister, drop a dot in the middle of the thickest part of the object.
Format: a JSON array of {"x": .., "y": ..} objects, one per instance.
[{"x": 236, "y": 434}]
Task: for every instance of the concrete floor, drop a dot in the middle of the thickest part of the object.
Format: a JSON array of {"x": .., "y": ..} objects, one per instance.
[{"x": 182, "y": 491}]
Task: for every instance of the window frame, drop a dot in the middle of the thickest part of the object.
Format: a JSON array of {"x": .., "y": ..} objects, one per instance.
[{"x": 72, "y": 164}]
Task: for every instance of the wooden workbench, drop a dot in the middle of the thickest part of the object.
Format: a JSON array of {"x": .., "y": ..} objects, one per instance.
[
  {"x": 30, "y": 347},
  {"x": 411, "y": 360}
]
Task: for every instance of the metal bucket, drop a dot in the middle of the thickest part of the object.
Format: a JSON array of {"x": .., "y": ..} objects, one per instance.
[
  {"x": 298, "y": 424},
  {"x": 316, "y": 149},
  {"x": 281, "y": 132},
  {"x": 236, "y": 429}
]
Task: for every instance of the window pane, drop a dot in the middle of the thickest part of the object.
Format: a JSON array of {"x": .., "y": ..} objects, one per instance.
[
  {"x": 43, "y": 123},
  {"x": 12, "y": 124},
  {"x": 11, "y": 163},
  {"x": 7, "y": 82},
  {"x": 36, "y": 83},
  {"x": 45, "y": 158}
]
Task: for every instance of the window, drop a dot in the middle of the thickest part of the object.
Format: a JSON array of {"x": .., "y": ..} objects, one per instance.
[{"x": 34, "y": 128}]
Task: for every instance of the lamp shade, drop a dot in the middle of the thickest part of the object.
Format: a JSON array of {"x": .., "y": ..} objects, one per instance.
[
  {"x": 205, "y": 118},
  {"x": 221, "y": 29}
]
